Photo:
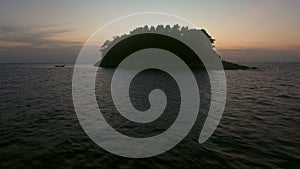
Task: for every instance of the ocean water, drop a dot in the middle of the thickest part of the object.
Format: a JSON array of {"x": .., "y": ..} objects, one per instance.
[{"x": 260, "y": 127}]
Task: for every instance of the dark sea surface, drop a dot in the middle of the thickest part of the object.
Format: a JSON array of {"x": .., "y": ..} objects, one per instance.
[{"x": 260, "y": 127}]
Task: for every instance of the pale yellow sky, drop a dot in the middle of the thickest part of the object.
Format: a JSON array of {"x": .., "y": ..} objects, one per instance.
[{"x": 238, "y": 26}]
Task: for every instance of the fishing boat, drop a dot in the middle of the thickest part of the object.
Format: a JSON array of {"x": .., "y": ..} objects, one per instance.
[{"x": 59, "y": 65}]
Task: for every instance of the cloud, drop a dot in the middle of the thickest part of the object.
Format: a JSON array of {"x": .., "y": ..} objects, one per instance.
[
  {"x": 34, "y": 37},
  {"x": 290, "y": 54},
  {"x": 45, "y": 44},
  {"x": 9, "y": 28},
  {"x": 30, "y": 44}
]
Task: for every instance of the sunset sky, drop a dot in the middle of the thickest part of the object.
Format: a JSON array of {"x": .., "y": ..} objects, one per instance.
[{"x": 54, "y": 31}]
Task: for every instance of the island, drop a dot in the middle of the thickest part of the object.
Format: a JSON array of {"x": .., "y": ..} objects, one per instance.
[{"x": 113, "y": 52}]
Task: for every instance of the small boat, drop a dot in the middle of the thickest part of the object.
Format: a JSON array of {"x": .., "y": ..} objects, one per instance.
[{"x": 59, "y": 65}]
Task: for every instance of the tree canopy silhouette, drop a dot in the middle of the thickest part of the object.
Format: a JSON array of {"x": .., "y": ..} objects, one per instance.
[
  {"x": 116, "y": 56},
  {"x": 175, "y": 30}
]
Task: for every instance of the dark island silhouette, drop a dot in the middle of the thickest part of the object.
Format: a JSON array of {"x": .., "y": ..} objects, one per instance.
[{"x": 120, "y": 47}]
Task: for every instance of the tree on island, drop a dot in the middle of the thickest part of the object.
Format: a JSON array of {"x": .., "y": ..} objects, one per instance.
[{"x": 176, "y": 30}]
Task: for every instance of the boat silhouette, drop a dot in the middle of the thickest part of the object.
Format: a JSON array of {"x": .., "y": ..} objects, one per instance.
[{"x": 59, "y": 65}]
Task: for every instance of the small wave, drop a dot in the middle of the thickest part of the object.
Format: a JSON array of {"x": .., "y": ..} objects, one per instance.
[{"x": 286, "y": 96}]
